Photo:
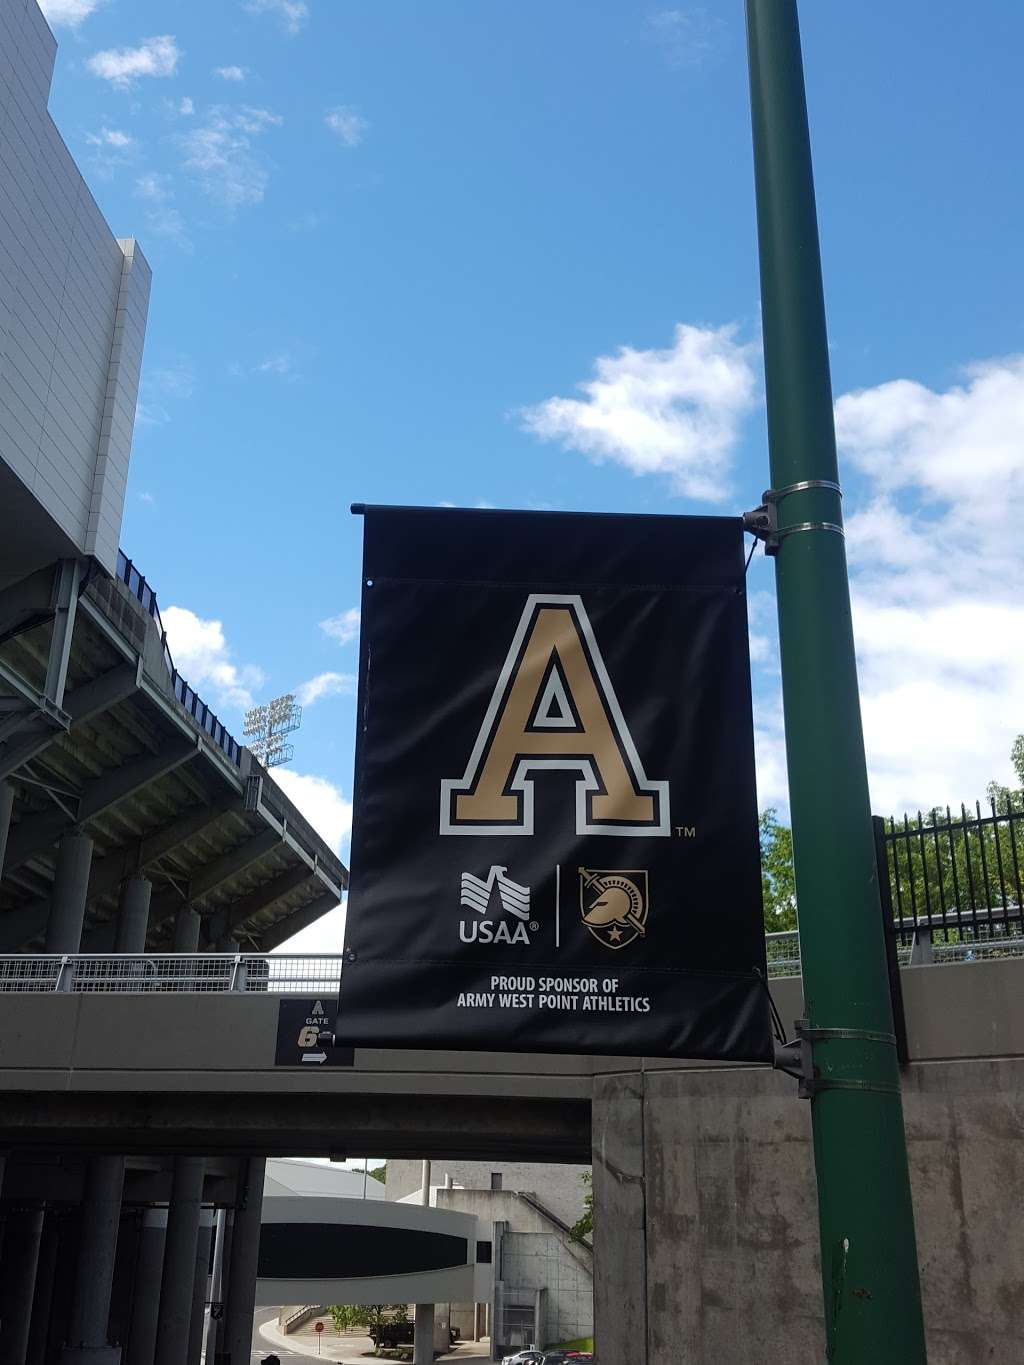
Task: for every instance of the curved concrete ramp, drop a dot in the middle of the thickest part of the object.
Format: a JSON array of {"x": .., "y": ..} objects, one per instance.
[{"x": 330, "y": 1250}]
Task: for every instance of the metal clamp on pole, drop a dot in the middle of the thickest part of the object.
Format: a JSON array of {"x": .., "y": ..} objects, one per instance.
[
  {"x": 763, "y": 521},
  {"x": 796, "y": 1058}
]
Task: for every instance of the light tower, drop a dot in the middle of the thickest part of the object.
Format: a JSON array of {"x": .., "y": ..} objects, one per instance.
[{"x": 266, "y": 728}]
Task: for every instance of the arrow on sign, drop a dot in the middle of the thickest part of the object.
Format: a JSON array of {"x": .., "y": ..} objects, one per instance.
[{"x": 314, "y": 1057}]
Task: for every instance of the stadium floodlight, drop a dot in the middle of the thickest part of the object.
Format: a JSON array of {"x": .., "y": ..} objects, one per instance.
[{"x": 266, "y": 727}]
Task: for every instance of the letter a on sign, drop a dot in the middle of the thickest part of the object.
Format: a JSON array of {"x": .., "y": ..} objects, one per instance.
[
  {"x": 554, "y": 707},
  {"x": 545, "y": 701}
]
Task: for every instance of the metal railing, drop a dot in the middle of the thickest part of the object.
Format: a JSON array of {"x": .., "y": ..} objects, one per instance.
[
  {"x": 311, "y": 974},
  {"x": 917, "y": 945},
  {"x": 172, "y": 973},
  {"x": 192, "y": 702},
  {"x": 958, "y": 877}
]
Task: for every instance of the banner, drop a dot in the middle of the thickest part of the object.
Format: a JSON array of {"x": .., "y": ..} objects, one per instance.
[{"x": 555, "y": 842}]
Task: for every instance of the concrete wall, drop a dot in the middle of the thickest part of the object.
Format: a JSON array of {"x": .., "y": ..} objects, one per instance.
[
  {"x": 531, "y": 1254},
  {"x": 537, "y": 1260},
  {"x": 73, "y": 305},
  {"x": 706, "y": 1219},
  {"x": 559, "y": 1188}
]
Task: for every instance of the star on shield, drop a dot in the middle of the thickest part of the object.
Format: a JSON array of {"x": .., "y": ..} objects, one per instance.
[{"x": 614, "y": 904}]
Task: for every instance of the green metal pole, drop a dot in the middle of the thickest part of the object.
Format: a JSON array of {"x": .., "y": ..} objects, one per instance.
[{"x": 869, "y": 1258}]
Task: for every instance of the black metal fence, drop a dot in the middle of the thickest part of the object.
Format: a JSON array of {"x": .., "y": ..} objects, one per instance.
[{"x": 955, "y": 878}]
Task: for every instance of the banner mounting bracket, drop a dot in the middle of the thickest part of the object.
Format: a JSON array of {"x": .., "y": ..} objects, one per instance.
[{"x": 763, "y": 522}]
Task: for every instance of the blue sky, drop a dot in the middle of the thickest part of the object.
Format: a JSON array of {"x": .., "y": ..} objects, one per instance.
[{"x": 482, "y": 252}]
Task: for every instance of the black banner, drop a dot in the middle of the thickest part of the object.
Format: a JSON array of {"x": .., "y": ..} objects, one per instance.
[{"x": 555, "y": 843}]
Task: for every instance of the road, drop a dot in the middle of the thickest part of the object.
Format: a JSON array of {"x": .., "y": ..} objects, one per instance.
[{"x": 262, "y": 1348}]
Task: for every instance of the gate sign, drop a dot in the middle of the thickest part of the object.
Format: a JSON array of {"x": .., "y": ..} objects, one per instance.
[{"x": 555, "y": 844}]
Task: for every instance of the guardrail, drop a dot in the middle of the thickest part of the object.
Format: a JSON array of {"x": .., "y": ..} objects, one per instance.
[
  {"x": 169, "y": 973},
  {"x": 193, "y": 704},
  {"x": 311, "y": 974}
]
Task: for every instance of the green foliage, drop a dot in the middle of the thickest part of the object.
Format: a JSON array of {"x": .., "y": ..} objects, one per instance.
[
  {"x": 380, "y": 1173},
  {"x": 344, "y": 1316},
  {"x": 778, "y": 882},
  {"x": 584, "y": 1225},
  {"x": 369, "y": 1315},
  {"x": 580, "y": 1344}
]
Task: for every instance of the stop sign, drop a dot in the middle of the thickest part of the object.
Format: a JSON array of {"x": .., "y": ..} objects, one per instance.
[{"x": 318, "y": 1327}]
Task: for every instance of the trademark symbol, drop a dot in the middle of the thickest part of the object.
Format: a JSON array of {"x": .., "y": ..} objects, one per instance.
[
  {"x": 534, "y": 926},
  {"x": 686, "y": 831}
]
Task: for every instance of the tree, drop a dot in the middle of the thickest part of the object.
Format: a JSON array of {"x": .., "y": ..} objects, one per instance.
[
  {"x": 584, "y": 1225},
  {"x": 380, "y": 1173},
  {"x": 372, "y": 1316},
  {"x": 344, "y": 1316},
  {"x": 778, "y": 881}
]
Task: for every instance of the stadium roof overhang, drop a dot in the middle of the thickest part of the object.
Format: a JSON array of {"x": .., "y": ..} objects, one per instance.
[{"x": 131, "y": 756}]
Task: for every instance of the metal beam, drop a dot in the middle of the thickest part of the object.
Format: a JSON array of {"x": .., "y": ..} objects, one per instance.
[
  {"x": 205, "y": 880},
  {"x": 85, "y": 702},
  {"x": 473, "y": 1127},
  {"x": 19, "y": 927},
  {"x": 26, "y": 604},
  {"x": 66, "y": 580},
  {"x": 264, "y": 896},
  {"x": 38, "y": 833},
  {"x": 308, "y": 915}
]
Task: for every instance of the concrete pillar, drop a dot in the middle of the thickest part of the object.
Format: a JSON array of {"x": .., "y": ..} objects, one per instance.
[
  {"x": 42, "y": 1303},
  {"x": 69, "y": 895},
  {"x": 18, "y": 1283},
  {"x": 133, "y": 916},
  {"x": 6, "y": 806},
  {"x": 425, "y": 1183},
  {"x": 179, "y": 1273},
  {"x": 227, "y": 943},
  {"x": 146, "y": 1290},
  {"x": 245, "y": 1246},
  {"x": 423, "y": 1340},
  {"x": 200, "y": 1284},
  {"x": 186, "y": 930},
  {"x": 94, "y": 1275}
]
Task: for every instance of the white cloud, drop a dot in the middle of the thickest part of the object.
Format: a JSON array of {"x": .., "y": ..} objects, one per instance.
[
  {"x": 675, "y": 412},
  {"x": 187, "y": 106},
  {"x": 202, "y": 656},
  {"x": 68, "y": 13},
  {"x": 935, "y": 553},
  {"x": 325, "y": 936},
  {"x": 280, "y": 364},
  {"x": 344, "y": 627},
  {"x": 121, "y": 66},
  {"x": 292, "y": 13},
  {"x": 231, "y": 73},
  {"x": 321, "y": 802},
  {"x": 685, "y": 36},
  {"x": 324, "y": 685},
  {"x": 221, "y": 155},
  {"x": 155, "y": 186},
  {"x": 346, "y": 124},
  {"x": 111, "y": 139}
]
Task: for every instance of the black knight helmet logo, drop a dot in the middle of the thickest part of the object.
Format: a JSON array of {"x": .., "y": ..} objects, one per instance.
[{"x": 614, "y": 905}]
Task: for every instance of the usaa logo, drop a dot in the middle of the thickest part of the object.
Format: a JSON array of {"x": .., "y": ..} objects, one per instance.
[{"x": 477, "y": 894}]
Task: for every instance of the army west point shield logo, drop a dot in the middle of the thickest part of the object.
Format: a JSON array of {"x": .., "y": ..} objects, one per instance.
[{"x": 614, "y": 905}]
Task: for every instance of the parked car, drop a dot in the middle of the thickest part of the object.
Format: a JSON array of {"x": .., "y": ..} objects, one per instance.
[{"x": 524, "y": 1358}]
